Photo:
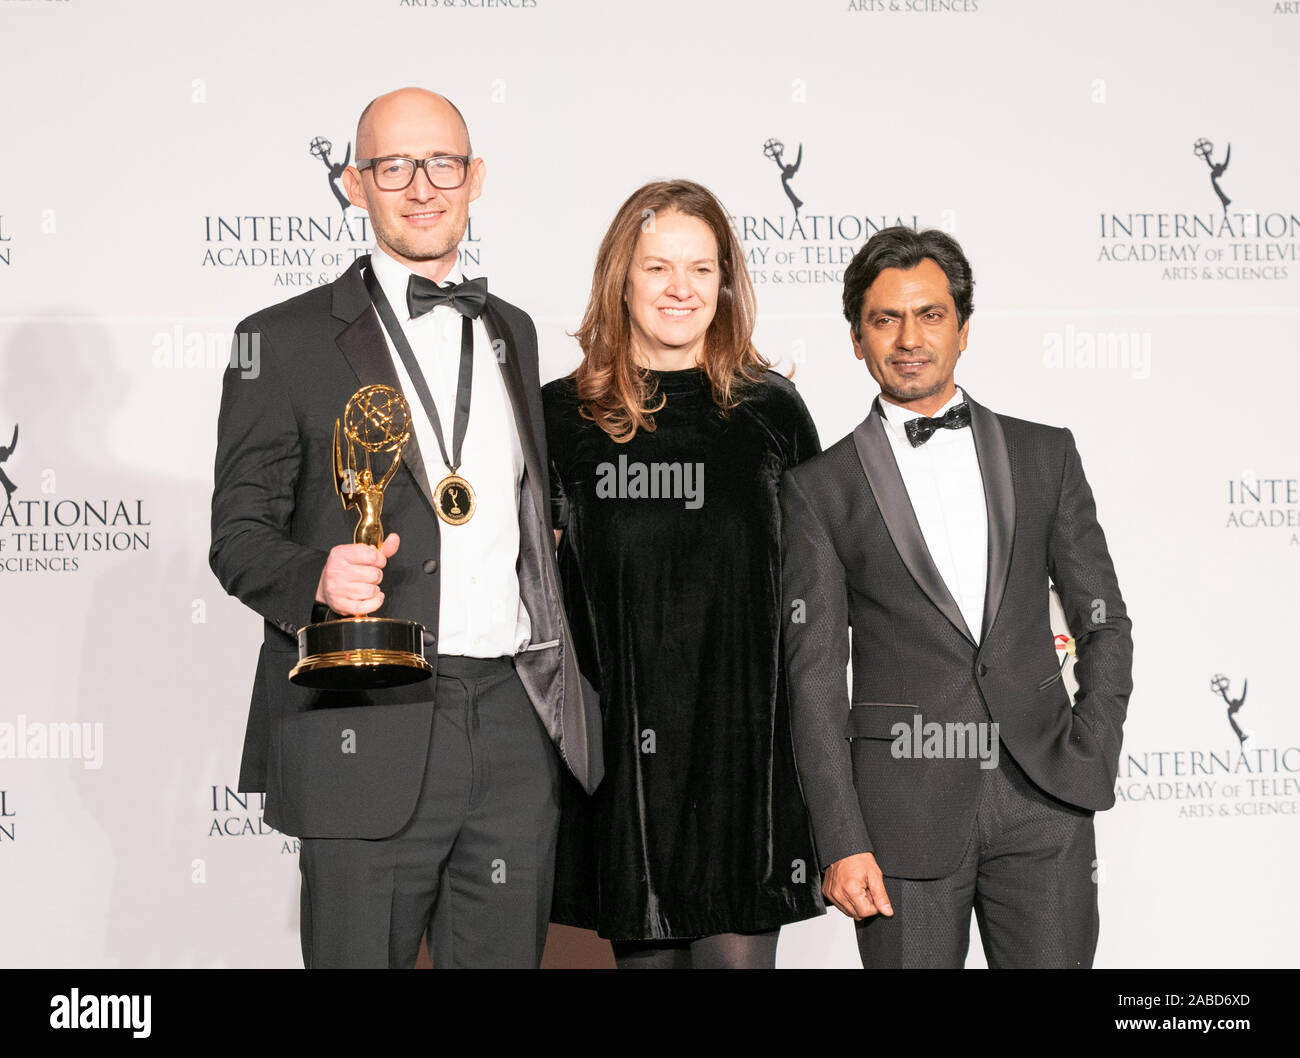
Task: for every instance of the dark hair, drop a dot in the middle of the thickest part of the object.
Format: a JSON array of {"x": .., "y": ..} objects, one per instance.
[{"x": 901, "y": 247}]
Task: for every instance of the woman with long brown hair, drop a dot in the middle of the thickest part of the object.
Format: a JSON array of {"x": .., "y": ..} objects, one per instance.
[{"x": 667, "y": 447}]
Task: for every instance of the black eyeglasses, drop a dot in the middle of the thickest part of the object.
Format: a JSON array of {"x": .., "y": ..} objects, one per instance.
[{"x": 395, "y": 173}]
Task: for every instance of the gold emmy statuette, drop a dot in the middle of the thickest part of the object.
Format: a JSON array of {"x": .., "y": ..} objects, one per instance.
[{"x": 365, "y": 653}]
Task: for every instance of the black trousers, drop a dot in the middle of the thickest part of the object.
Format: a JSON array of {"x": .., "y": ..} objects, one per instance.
[
  {"x": 474, "y": 866},
  {"x": 1028, "y": 874}
]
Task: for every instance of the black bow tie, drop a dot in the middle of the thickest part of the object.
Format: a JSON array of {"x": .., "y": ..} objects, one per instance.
[
  {"x": 920, "y": 429},
  {"x": 467, "y": 298}
]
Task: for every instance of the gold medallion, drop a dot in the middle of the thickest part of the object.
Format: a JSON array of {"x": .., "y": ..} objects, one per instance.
[{"x": 454, "y": 500}]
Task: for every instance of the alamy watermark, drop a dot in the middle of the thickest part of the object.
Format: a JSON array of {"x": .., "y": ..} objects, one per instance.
[
  {"x": 186, "y": 347},
  {"x": 1097, "y": 350},
  {"x": 36, "y": 740},
  {"x": 92, "y": 1011},
  {"x": 651, "y": 481},
  {"x": 950, "y": 741}
]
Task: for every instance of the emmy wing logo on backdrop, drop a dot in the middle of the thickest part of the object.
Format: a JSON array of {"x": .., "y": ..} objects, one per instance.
[
  {"x": 808, "y": 248},
  {"x": 5, "y": 452},
  {"x": 8, "y": 816},
  {"x": 1220, "y": 685},
  {"x": 6, "y": 251},
  {"x": 1201, "y": 243},
  {"x": 54, "y": 535},
  {"x": 1204, "y": 149},
  {"x": 773, "y": 149},
  {"x": 320, "y": 148}
]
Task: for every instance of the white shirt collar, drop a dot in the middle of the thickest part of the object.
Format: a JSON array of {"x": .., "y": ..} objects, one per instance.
[
  {"x": 895, "y": 416},
  {"x": 394, "y": 276}
]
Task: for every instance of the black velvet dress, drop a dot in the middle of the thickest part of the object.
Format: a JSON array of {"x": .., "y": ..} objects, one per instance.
[{"x": 672, "y": 584}]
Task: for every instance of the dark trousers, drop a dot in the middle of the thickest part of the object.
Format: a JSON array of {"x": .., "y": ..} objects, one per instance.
[
  {"x": 1028, "y": 874},
  {"x": 474, "y": 865}
]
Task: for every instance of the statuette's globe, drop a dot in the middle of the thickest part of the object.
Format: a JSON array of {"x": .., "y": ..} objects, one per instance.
[
  {"x": 772, "y": 148},
  {"x": 378, "y": 419}
]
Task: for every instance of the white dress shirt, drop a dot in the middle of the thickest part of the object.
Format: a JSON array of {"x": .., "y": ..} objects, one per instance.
[
  {"x": 944, "y": 483},
  {"x": 480, "y": 613}
]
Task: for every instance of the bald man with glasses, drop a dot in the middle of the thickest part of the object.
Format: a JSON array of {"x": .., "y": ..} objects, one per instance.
[{"x": 429, "y": 809}]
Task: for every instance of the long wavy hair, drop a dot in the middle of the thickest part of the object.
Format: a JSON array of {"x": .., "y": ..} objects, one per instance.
[{"x": 613, "y": 390}]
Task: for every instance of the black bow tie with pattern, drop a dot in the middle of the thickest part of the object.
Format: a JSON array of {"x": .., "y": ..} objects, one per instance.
[
  {"x": 467, "y": 298},
  {"x": 921, "y": 429}
]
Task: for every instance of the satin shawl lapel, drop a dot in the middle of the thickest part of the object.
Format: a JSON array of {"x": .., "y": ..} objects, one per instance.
[
  {"x": 887, "y": 487},
  {"x": 1000, "y": 501},
  {"x": 365, "y": 348},
  {"x": 504, "y": 338}
]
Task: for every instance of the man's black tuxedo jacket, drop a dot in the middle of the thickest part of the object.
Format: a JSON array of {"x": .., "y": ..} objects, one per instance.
[
  {"x": 853, "y": 552},
  {"x": 275, "y": 516}
]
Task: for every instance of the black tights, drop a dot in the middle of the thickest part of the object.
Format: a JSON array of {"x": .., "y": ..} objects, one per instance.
[{"x": 724, "y": 951}]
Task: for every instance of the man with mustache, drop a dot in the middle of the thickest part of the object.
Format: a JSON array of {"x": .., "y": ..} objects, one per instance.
[{"x": 934, "y": 531}]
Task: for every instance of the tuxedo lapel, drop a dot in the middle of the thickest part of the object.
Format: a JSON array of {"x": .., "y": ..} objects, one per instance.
[
  {"x": 365, "y": 348},
  {"x": 512, "y": 372},
  {"x": 895, "y": 506},
  {"x": 1000, "y": 501}
]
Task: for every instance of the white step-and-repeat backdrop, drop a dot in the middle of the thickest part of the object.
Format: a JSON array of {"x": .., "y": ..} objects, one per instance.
[{"x": 1122, "y": 175}]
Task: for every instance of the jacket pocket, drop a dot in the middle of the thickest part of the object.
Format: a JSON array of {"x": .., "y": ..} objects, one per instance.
[
  {"x": 1059, "y": 674},
  {"x": 541, "y": 646},
  {"x": 878, "y": 719}
]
